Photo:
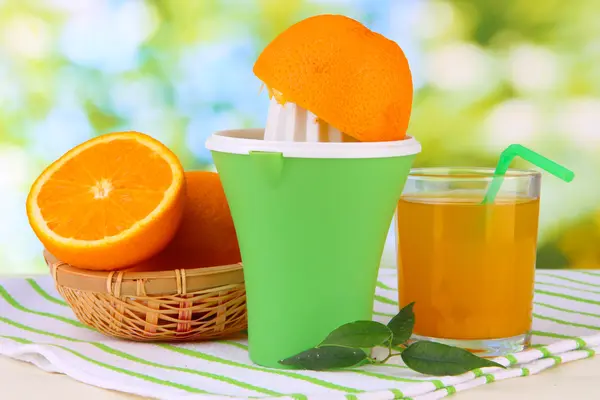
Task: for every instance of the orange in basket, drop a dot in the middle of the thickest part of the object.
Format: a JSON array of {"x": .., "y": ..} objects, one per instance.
[
  {"x": 206, "y": 236},
  {"x": 349, "y": 76},
  {"x": 110, "y": 202}
]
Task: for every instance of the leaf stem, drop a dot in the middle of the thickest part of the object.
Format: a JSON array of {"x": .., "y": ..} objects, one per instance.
[{"x": 387, "y": 358}]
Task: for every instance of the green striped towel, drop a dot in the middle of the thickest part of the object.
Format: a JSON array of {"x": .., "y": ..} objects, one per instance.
[{"x": 37, "y": 326}]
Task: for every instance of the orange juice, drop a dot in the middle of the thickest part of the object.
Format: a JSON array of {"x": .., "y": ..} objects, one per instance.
[{"x": 468, "y": 267}]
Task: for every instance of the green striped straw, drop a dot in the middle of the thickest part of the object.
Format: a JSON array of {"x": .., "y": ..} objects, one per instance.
[{"x": 509, "y": 154}]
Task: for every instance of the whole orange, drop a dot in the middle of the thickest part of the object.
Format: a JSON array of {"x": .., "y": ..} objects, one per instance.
[
  {"x": 206, "y": 236},
  {"x": 349, "y": 76}
]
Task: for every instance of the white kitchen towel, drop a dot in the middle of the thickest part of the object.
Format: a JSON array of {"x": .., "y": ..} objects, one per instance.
[{"x": 37, "y": 326}]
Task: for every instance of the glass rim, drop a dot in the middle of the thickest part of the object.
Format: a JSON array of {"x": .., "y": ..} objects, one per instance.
[{"x": 469, "y": 173}]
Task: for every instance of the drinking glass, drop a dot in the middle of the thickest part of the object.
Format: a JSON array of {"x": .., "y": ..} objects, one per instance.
[{"x": 468, "y": 266}]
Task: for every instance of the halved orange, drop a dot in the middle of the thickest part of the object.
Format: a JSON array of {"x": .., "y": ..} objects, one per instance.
[
  {"x": 347, "y": 75},
  {"x": 108, "y": 203}
]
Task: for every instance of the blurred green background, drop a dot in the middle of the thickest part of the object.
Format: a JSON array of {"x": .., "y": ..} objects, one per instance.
[{"x": 487, "y": 74}]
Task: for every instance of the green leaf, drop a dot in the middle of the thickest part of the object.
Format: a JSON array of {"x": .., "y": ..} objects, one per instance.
[
  {"x": 439, "y": 359},
  {"x": 326, "y": 357},
  {"x": 402, "y": 324},
  {"x": 362, "y": 334}
]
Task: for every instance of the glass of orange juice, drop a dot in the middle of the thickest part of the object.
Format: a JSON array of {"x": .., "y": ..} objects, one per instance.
[{"x": 469, "y": 267}]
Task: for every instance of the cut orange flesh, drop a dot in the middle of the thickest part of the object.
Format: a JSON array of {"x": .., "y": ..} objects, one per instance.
[{"x": 108, "y": 203}]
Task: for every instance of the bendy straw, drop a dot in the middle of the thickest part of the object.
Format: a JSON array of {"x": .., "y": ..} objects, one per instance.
[{"x": 508, "y": 155}]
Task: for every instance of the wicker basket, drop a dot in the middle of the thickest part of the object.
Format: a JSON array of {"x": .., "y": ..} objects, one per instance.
[{"x": 176, "y": 305}]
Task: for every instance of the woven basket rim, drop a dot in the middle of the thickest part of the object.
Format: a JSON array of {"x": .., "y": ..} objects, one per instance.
[{"x": 153, "y": 283}]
